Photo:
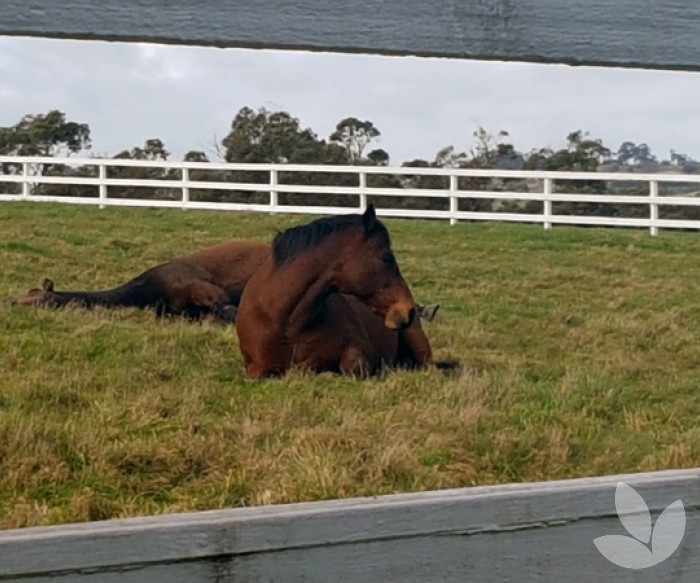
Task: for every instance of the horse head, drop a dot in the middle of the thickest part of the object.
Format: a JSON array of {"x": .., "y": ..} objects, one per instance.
[{"x": 368, "y": 270}]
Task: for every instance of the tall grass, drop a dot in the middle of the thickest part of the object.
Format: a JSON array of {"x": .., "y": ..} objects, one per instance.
[{"x": 578, "y": 351}]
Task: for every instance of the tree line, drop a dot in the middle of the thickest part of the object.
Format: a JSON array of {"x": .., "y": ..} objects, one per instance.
[{"x": 262, "y": 135}]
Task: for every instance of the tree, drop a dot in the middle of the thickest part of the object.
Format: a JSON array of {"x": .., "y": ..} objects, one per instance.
[
  {"x": 448, "y": 158},
  {"x": 637, "y": 155},
  {"x": 278, "y": 137},
  {"x": 354, "y": 135},
  {"x": 685, "y": 163},
  {"x": 378, "y": 157},
  {"x": 489, "y": 148},
  {"x": 195, "y": 156},
  {"x": 582, "y": 153},
  {"x": 207, "y": 175},
  {"x": 267, "y": 136},
  {"x": 47, "y": 134},
  {"x": 153, "y": 149},
  {"x": 490, "y": 151},
  {"x": 423, "y": 181}
]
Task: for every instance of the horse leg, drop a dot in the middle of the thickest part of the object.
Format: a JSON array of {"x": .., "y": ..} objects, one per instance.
[
  {"x": 226, "y": 314},
  {"x": 197, "y": 295},
  {"x": 261, "y": 371},
  {"x": 354, "y": 363},
  {"x": 414, "y": 347}
]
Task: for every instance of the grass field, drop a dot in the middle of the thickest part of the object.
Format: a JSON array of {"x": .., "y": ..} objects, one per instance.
[{"x": 578, "y": 350}]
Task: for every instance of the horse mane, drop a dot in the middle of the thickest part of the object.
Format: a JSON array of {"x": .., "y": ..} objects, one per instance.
[{"x": 295, "y": 240}]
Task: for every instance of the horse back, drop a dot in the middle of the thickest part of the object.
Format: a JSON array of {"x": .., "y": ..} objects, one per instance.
[{"x": 230, "y": 264}]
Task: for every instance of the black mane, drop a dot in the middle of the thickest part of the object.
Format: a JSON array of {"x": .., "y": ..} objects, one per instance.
[{"x": 290, "y": 243}]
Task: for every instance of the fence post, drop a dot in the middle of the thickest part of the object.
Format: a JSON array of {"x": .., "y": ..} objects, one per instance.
[
  {"x": 453, "y": 199},
  {"x": 653, "y": 207},
  {"x": 363, "y": 194},
  {"x": 103, "y": 186},
  {"x": 547, "y": 206},
  {"x": 25, "y": 179},
  {"x": 185, "y": 187},
  {"x": 273, "y": 190}
]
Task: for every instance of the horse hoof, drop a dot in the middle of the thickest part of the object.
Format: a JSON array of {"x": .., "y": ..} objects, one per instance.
[
  {"x": 228, "y": 313},
  {"x": 427, "y": 313}
]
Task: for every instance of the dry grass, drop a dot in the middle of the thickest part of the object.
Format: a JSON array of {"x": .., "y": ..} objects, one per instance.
[{"x": 578, "y": 350}]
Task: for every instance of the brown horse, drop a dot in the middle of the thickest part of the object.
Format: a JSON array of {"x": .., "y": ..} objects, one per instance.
[
  {"x": 331, "y": 297},
  {"x": 208, "y": 283}
]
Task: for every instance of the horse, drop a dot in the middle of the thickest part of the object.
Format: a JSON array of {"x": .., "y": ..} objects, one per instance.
[
  {"x": 205, "y": 284},
  {"x": 208, "y": 283},
  {"x": 330, "y": 297}
]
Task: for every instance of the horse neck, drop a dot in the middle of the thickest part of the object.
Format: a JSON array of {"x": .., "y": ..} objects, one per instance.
[{"x": 306, "y": 281}]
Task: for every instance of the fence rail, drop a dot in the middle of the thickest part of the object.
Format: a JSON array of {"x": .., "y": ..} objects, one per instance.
[
  {"x": 517, "y": 187},
  {"x": 540, "y": 532}
]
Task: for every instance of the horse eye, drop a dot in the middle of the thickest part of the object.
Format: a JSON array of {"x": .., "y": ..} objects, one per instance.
[{"x": 388, "y": 259}]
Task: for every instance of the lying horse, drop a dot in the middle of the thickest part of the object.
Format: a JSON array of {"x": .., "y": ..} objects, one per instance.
[
  {"x": 330, "y": 298},
  {"x": 208, "y": 283}
]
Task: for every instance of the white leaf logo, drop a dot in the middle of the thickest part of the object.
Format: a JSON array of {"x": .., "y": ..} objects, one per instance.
[
  {"x": 633, "y": 512},
  {"x": 633, "y": 552},
  {"x": 668, "y": 531}
]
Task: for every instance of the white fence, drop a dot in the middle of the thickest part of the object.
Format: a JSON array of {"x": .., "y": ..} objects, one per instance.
[{"x": 515, "y": 186}]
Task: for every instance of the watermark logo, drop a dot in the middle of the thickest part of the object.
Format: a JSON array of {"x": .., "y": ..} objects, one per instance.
[{"x": 647, "y": 546}]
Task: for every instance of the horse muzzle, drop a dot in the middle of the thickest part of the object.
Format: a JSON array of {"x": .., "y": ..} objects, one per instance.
[{"x": 399, "y": 319}]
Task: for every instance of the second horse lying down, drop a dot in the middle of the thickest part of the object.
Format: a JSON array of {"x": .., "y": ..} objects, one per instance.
[{"x": 206, "y": 283}]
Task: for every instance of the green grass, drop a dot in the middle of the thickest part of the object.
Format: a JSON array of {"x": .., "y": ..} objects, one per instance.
[{"x": 578, "y": 350}]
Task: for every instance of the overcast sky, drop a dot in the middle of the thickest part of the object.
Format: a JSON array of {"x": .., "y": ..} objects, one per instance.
[{"x": 187, "y": 97}]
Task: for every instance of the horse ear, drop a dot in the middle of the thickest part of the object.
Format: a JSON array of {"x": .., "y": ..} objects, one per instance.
[
  {"x": 369, "y": 219},
  {"x": 47, "y": 285}
]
